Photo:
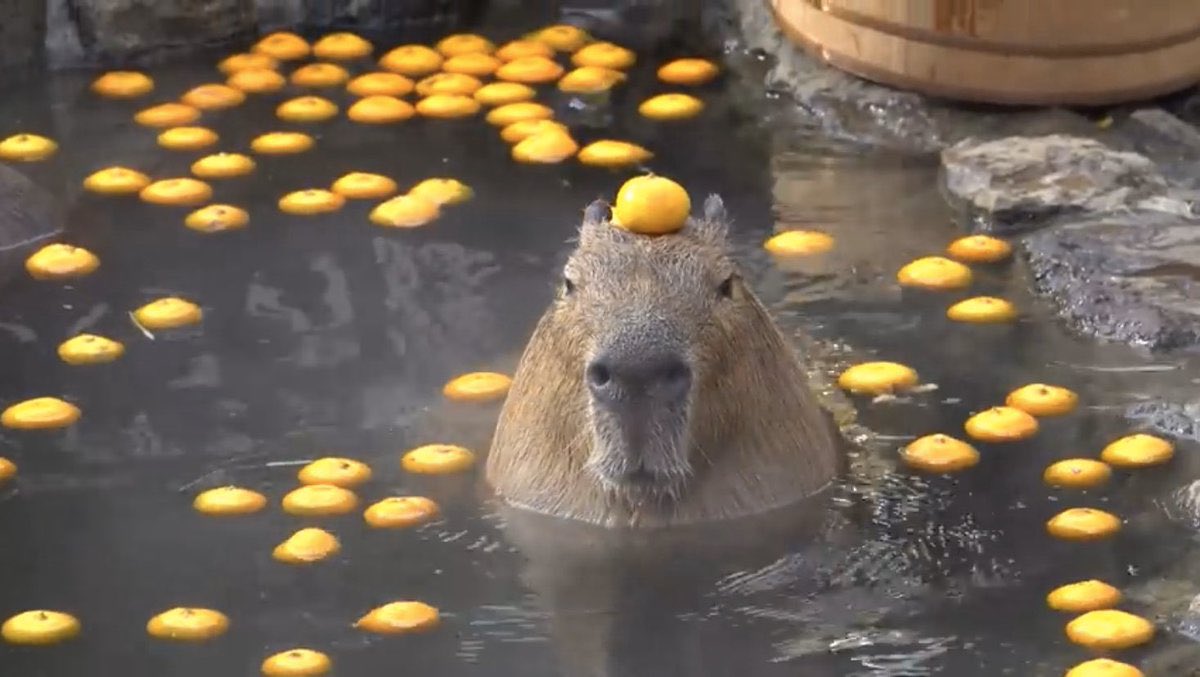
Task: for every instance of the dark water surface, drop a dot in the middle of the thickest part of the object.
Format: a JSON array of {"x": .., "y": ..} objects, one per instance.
[{"x": 330, "y": 336}]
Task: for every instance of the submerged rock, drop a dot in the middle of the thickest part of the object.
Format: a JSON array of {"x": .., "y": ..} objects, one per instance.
[
  {"x": 28, "y": 218},
  {"x": 1132, "y": 276},
  {"x": 1019, "y": 182},
  {"x": 1179, "y": 420}
]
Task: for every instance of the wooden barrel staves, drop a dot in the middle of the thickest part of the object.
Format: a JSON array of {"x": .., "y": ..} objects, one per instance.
[{"x": 1042, "y": 52}]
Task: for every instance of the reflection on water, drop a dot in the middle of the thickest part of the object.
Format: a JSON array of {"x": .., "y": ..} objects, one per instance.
[{"x": 327, "y": 336}]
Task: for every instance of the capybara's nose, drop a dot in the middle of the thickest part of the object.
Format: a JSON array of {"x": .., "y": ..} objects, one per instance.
[{"x": 659, "y": 376}]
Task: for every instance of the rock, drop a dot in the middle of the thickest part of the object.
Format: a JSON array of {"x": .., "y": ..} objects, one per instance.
[
  {"x": 1178, "y": 420},
  {"x": 128, "y": 29},
  {"x": 22, "y": 32},
  {"x": 28, "y": 218},
  {"x": 1189, "y": 623},
  {"x": 1021, "y": 181},
  {"x": 1132, "y": 276}
]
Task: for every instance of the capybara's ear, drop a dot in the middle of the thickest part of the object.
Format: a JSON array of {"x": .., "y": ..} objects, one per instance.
[
  {"x": 714, "y": 223},
  {"x": 595, "y": 216}
]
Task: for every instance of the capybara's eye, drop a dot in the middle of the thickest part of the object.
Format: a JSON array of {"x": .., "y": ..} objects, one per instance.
[
  {"x": 567, "y": 286},
  {"x": 726, "y": 288}
]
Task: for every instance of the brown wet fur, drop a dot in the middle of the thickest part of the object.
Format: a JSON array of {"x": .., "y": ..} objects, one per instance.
[{"x": 757, "y": 439}]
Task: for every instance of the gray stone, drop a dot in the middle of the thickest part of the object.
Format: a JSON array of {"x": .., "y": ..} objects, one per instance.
[
  {"x": 1132, "y": 276},
  {"x": 1178, "y": 420},
  {"x": 1189, "y": 624},
  {"x": 22, "y": 32},
  {"x": 28, "y": 218},
  {"x": 1020, "y": 182},
  {"x": 125, "y": 29}
]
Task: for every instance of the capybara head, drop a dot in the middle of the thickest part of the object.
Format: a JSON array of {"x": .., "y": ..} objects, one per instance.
[{"x": 652, "y": 385}]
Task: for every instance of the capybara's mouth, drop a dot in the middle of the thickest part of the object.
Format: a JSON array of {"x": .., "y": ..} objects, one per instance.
[{"x": 648, "y": 458}]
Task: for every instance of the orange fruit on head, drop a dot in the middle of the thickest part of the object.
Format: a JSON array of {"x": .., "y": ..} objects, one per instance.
[{"x": 651, "y": 205}]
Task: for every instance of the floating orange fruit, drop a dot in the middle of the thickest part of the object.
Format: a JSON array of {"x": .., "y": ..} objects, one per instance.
[
  {"x": 364, "y": 186},
  {"x": 562, "y": 37},
  {"x": 297, "y": 663},
  {"x": 281, "y": 143},
  {"x": 169, "y": 312},
  {"x": 380, "y": 84},
  {"x": 442, "y": 191},
  {"x": 690, "y": 71},
  {"x": 517, "y": 49},
  {"x": 939, "y": 454},
  {"x": 319, "y": 500},
  {"x": 505, "y": 115},
  {"x": 40, "y": 628},
  {"x": 256, "y": 81},
  {"x": 247, "y": 61},
  {"x": 123, "y": 85},
  {"x": 342, "y": 472},
  {"x": 448, "y": 83},
  {"x": 519, "y": 131},
  {"x": 411, "y": 60},
  {"x": 672, "y": 106},
  {"x": 1083, "y": 524},
  {"x": 979, "y": 249},
  {"x": 227, "y": 501},
  {"x": 405, "y": 211},
  {"x": 318, "y": 75},
  {"x": 877, "y": 378},
  {"x": 1083, "y": 596},
  {"x": 982, "y": 310},
  {"x": 613, "y": 154},
  {"x": 1110, "y": 630},
  {"x": 179, "y": 191},
  {"x": 651, "y": 205},
  {"x": 380, "y": 109},
  {"x": 447, "y": 106},
  {"x": 283, "y": 46},
  {"x": 1138, "y": 451},
  {"x": 477, "y": 386},
  {"x": 307, "y": 546},
  {"x": 187, "y": 138},
  {"x": 40, "y": 413},
  {"x": 464, "y": 43},
  {"x": 223, "y": 166},
  {"x": 1039, "y": 399},
  {"x": 475, "y": 63},
  {"x": 1104, "y": 667},
  {"x": 399, "y": 617},
  {"x": 502, "y": 93},
  {"x": 1077, "y": 473},
  {"x": 1001, "y": 424},
  {"x": 798, "y": 243},
  {"x": 217, "y": 219},
  {"x": 27, "y": 148},
  {"x": 58, "y": 261},
  {"x": 306, "y": 109},
  {"x": 311, "y": 201},
  {"x": 116, "y": 181},
  {"x": 8, "y": 470},
  {"x": 341, "y": 46},
  {"x": 546, "y": 147},
  {"x": 935, "y": 273},
  {"x": 437, "y": 459},
  {"x": 605, "y": 55},
  {"x": 213, "y": 97},
  {"x": 590, "y": 80},
  {"x": 188, "y": 625},
  {"x": 88, "y": 349},
  {"x": 400, "y": 512},
  {"x": 167, "y": 115},
  {"x": 530, "y": 70}
]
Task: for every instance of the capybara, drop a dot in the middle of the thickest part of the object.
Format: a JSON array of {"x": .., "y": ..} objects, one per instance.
[{"x": 656, "y": 390}]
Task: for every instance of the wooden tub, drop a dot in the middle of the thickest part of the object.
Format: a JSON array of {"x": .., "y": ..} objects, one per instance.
[{"x": 1075, "y": 52}]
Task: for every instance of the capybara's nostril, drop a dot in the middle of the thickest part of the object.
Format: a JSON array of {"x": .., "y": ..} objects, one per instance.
[{"x": 660, "y": 376}]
